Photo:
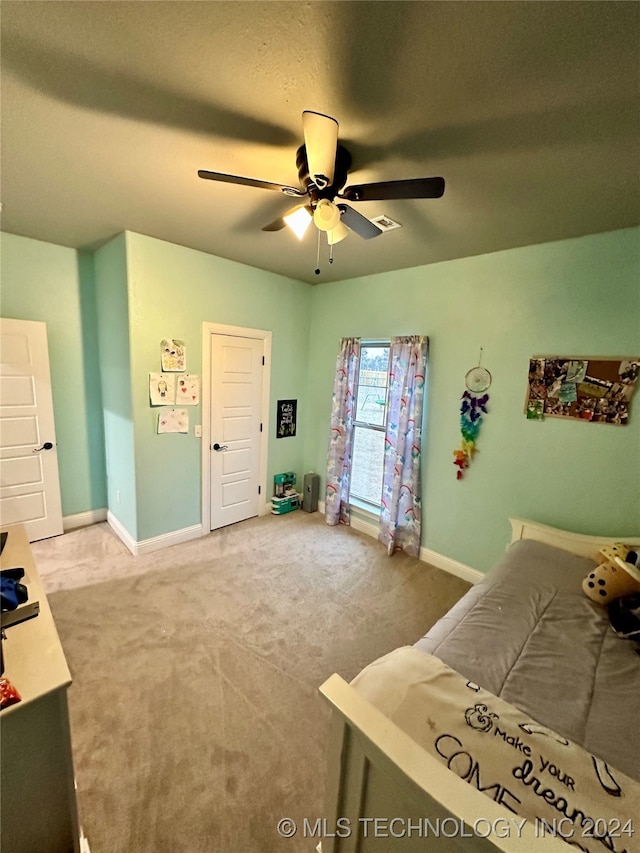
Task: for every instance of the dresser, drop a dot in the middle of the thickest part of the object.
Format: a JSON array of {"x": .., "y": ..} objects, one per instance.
[{"x": 37, "y": 792}]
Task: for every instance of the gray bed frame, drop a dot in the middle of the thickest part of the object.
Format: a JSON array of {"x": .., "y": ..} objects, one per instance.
[{"x": 376, "y": 770}]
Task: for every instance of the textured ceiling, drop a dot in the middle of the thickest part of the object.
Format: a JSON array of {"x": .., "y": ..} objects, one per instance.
[{"x": 530, "y": 111}]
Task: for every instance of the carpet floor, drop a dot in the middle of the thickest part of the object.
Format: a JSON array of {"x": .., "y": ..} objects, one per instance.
[{"x": 195, "y": 713}]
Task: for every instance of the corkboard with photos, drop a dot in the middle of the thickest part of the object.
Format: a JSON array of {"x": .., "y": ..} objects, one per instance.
[{"x": 597, "y": 389}]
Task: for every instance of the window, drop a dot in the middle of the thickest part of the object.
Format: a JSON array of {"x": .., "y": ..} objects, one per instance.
[{"x": 370, "y": 424}]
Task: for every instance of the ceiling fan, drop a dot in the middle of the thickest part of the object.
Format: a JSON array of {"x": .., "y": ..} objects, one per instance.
[{"x": 323, "y": 166}]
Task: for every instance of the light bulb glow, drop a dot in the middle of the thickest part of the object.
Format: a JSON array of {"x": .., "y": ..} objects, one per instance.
[{"x": 298, "y": 221}]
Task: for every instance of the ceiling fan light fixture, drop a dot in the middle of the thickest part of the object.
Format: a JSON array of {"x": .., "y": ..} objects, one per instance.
[
  {"x": 326, "y": 215},
  {"x": 337, "y": 234},
  {"x": 299, "y": 220}
]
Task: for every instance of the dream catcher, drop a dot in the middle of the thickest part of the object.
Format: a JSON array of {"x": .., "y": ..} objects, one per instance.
[{"x": 472, "y": 408}]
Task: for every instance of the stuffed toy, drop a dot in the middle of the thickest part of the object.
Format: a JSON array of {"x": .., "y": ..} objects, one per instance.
[{"x": 615, "y": 576}]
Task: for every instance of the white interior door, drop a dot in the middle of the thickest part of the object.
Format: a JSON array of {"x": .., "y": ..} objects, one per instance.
[
  {"x": 29, "y": 480},
  {"x": 235, "y": 418}
]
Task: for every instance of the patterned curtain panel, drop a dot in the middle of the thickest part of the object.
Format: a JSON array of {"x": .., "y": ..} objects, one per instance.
[
  {"x": 341, "y": 440},
  {"x": 400, "y": 511}
]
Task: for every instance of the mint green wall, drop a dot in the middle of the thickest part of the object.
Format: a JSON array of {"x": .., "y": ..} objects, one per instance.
[
  {"x": 53, "y": 284},
  {"x": 172, "y": 291},
  {"x": 575, "y": 297},
  {"x": 111, "y": 287}
]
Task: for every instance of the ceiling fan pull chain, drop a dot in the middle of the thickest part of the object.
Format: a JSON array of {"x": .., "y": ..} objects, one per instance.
[
  {"x": 317, "y": 270},
  {"x": 331, "y": 253}
]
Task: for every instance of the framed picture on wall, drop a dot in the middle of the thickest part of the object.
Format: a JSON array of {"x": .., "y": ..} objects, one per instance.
[
  {"x": 598, "y": 390},
  {"x": 286, "y": 418}
]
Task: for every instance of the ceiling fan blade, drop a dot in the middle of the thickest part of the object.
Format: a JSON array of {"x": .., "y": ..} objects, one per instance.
[
  {"x": 358, "y": 223},
  {"x": 277, "y": 225},
  {"x": 383, "y": 190},
  {"x": 321, "y": 142},
  {"x": 250, "y": 182}
]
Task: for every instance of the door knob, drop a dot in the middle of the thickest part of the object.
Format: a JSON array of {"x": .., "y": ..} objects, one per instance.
[
  {"x": 46, "y": 446},
  {"x": 219, "y": 447}
]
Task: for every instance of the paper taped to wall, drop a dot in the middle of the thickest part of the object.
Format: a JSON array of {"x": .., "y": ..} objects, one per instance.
[
  {"x": 162, "y": 389},
  {"x": 188, "y": 390},
  {"x": 173, "y": 420}
]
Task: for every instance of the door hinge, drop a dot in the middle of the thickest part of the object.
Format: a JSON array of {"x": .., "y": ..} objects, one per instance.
[
  {"x": 263, "y": 361},
  {"x": 260, "y": 427},
  {"x": 259, "y": 490}
]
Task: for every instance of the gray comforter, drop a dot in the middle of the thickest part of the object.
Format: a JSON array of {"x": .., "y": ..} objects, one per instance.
[{"x": 528, "y": 634}]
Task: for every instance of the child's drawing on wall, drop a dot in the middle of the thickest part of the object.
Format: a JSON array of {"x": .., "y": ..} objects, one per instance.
[
  {"x": 173, "y": 355},
  {"x": 188, "y": 390},
  {"x": 173, "y": 420},
  {"x": 162, "y": 389}
]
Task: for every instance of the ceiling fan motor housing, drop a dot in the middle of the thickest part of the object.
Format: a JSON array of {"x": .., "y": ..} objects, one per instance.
[{"x": 343, "y": 163}]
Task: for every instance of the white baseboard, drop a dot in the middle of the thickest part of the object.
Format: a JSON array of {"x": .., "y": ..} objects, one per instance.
[
  {"x": 447, "y": 564},
  {"x": 121, "y": 532},
  {"x": 364, "y": 526},
  {"x": 433, "y": 558},
  {"x": 156, "y": 543},
  {"x": 84, "y": 519}
]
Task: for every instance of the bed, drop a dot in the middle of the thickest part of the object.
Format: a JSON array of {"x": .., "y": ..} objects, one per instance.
[{"x": 524, "y": 650}]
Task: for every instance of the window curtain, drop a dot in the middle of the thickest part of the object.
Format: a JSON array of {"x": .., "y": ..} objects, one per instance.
[
  {"x": 341, "y": 439},
  {"x": 400, "y": 515}
]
